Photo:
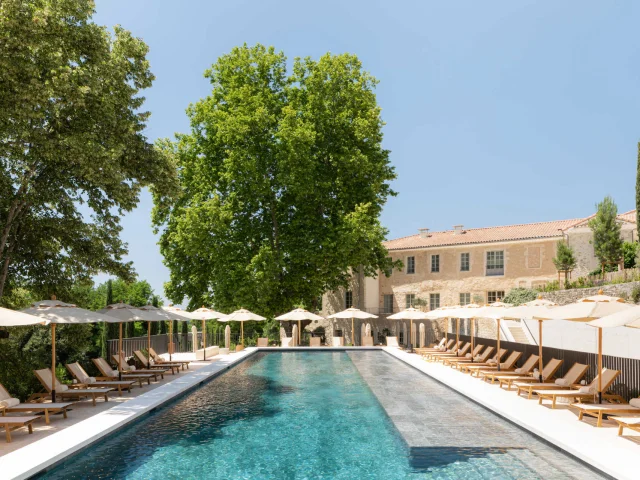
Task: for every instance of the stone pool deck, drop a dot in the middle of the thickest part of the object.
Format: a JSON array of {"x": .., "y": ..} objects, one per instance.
[
  {"x": 601, "y": 447},
  {"x": 27, "y": 454}
]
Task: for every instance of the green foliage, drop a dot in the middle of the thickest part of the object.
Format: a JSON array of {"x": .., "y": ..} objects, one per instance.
[
  {"x": 282, "y": 182},
  {"x": 607, "y": 241},
  {"x": 635, "y": 294},
  {"x": 565, "y": 260},
  {"x": 551, "y": 286},
  {"x": 517, "y": 296},
  {"x": 630, "y": 252},
  {"x": 73, "y": 156}
]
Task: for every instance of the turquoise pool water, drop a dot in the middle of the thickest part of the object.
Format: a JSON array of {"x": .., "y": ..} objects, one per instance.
[{"x": 295, "y": 415}]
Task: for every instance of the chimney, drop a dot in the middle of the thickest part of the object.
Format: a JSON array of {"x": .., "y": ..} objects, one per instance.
[
  {"x": 458, "y": 229},
  {"x": 424, "y": 232}
]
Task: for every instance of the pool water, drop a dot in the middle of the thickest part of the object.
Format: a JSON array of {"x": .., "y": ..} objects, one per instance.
[{"x": 293, "y": 415}]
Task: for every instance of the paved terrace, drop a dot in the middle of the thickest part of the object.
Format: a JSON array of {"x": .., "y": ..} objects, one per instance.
[
  {"x": 600, "y": 447},
  {"x": 28, "y": 454}
]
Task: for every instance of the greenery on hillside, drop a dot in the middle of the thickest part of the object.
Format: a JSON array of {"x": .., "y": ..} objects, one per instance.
[{"x": 283, "y": 177}]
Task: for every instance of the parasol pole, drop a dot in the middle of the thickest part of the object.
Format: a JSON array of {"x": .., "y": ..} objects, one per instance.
[
  {"x": 599, "y": 364},
  {"x": 120, "y": 359},
  {"x": 540, "y": 349},
  {"x": 353, "y": 333},
  {"x": 53, "y": 364},
  {"x": 472, "y": 349},
  {"x": 299, "y": 333},
  {"x": 457, "y": 336},
  {"x": 204, "y": 340},
  {"x": 241, "y": 333},
  {"x": 498, "y": 334},
  {"x": 149, "y": 343}
]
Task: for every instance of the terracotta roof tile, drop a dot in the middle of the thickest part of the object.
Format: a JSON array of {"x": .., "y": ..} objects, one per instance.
[{"x": 483, "y": 235}]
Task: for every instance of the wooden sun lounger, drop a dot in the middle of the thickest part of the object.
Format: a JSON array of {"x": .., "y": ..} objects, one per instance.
[
  {"x": 460, "y": 353},
  {"x": 84, "y": 380},
  {"x": 572, "y": 379},
  {"x": 505, "y": 366},
  {"x": 627, "y": 422},
  {"x": 466, "y": 358},
  {"x": 44, "y": 408},
  {"x": 608, "y": 376},
  {"x": 599, "y": 410},
  {"x": 64, "y": 391},
  {"x": 14, "y": 423},
  {"x": 478, "y": 359},
  {"x": 434, "y": 353},
  {"x": 548, "y": 372},
  {"x": 111, "y": 374},
  {"x": 436, "y": 348},
  {"x": 129, "y": 370},
  {"x": 526, "y": 368},
  {"x": 174, "y": 367},
  {"x": 471, "y": 367},
  {"x": 159, "y": 360}
]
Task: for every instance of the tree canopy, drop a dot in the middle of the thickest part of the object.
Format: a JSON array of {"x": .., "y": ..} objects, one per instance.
[
  {"x": 565, "y": 260},
  {"x": 607, "y": 240},
  {"x": 73, "y": 156},
  {"x": 283, "y": 178}
]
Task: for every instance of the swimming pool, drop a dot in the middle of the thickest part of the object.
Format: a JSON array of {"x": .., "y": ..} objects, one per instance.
[{"x": 295, "y": 415}]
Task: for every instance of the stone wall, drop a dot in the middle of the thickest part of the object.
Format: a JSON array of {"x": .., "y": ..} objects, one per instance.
[{"x": 562, "y": 297}]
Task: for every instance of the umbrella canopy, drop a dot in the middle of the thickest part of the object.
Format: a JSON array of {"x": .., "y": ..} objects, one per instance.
[
  {"x": 205, "y": 314},
  {"x": 298, "y": 315},
  {"x": 123, "y": 312},
  {"x": 242, "y": 315},
  {"x": 57, "y": 312},
  {"x": 629, "y": 317},
  {"x": 177, "y": 312},
  {"x": 586, "y": 310},
  {"x": 353, "y": 313},
  {"x": 12, "y": 318}
]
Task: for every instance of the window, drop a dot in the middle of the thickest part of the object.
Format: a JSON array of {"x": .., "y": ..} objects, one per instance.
[
  {"x": 435, "y": 263},
  {"x": 465, "y": 298},
  {"x": 464, "y": 262},
  {"x": 409, "y": 299},
  {"x": 495, "y": 263},
  {"x": 348, "y": 299},
  {"x": 387, "y": 303},
  {"x": 495, "y": 296},
  {"x": 411, "y": 264},
  {"x": 434, "y": 301}
]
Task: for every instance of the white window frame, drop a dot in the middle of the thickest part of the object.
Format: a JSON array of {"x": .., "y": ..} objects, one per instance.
[
  {"x": 468, "y": 261},
  {"x": 435, "y": 256},
  {"x": 486, "y": 263},
  {"x": 414, "y": 265},
  {"x": 497, "y": 295},
  {"x": 433, "y": 296},
  {"x": 467, "y": 299},
  {"x": 409, "y": 299}
]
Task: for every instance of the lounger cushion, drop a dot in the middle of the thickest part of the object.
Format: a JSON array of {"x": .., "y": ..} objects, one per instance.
[
  {"x": 588, "y": 389},
  {"x": 61, "y": 388},
  {"x": 9, "y": 402},
  {"x": 492, "y": 361},
  {"x": 562, "y": 382},
  {"x": 635, "y": 402},
  {"x": 518, "y": 370},
  {"x": 468, "y": 355}
]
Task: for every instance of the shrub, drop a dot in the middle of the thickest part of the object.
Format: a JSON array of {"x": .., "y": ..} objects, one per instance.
[
  {"x": 517, "y": 296},
  {"x": 635, "y": 294}
]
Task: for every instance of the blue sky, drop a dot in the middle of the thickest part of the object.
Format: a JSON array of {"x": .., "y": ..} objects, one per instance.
[{"x": 497, "y": 112}]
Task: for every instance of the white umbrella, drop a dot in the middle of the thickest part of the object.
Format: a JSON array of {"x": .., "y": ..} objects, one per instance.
[
  {"x": 586, "y": 310},
  {"x": 353, "y": 313},
  {"x": 298, "y": 315},
  {"x": 13, "y": 318},
  {"x": 156, "y": 314},
  {"x": 54, "y": 312},
  {"x": 122, "y": 312},
  {"x": 205, "y": 314},
  {"x": 529, "y": 310},
  {"x": 410, "y": 314},
  {"x": 178, "y": 314},
  {"x": 242, "y": 315}
]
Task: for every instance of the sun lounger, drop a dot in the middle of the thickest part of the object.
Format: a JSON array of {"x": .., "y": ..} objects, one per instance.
[
  {"x": 469, "y": 367},
  {"x": 428, "y": 354},
  {"x": 159, "y": 360},
  {"x": 130, "y": 369},
  {"x": 263, "y": 342},
  {"x": 63, "y": 391},
  {"x": 586, "y": 393},
  {"x": 572, "y": 377},
  {"x": 467, "y": 357},
  {"x": 507, "y": 365},
  {"x": 443, "y": 346},
  {"x": 527, "y": 367},
  {"x": 13, "y": 423},
  {"x": 599, "y": 410},
  {"x": 460, "y": 353},
  {"x": 314, "y": 341},
  {"x": 392, "y": 342},
  {"x": 478, "y": 359},
  {"x": 108, "y": 372},
  {"x": 140, "y": 357},
  {"x": 548, "y": 372},
  {"x": 13, "y": 405},
  {"x": 84, "y": 380},
  {"x": 627, "y": 422}
]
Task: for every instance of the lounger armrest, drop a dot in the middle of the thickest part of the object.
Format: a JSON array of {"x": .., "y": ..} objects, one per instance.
[{"x": 78, "y": 386}]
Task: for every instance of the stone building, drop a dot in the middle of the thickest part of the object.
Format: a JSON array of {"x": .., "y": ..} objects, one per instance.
[{"x": 475, "y": 265}]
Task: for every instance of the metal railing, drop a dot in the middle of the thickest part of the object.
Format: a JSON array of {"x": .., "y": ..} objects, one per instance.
[{"x": 626, "y": 385}]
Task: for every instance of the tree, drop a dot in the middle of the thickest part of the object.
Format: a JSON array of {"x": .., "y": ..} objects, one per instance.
[
  {"x": 607, "y": 241},
  {"x": 565, "y": 260},
  {"x": 282, "y": 182},
  {"x": 73, "y": 157},
  {"x": 630, "y": 253}
]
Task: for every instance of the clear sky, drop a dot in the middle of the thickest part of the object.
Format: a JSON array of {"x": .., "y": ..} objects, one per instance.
[{"x": 497, "y": 112}]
